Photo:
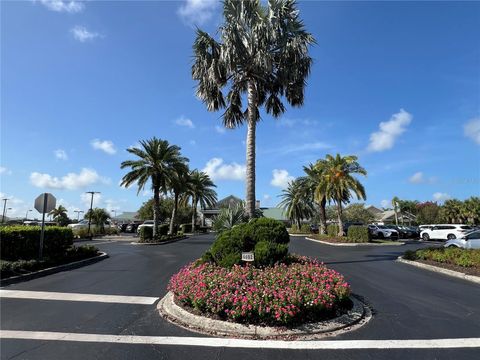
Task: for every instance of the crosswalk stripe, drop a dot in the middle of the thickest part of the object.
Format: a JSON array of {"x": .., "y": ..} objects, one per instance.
[
  {"x": 47, "y": 295},
  {"x": 243, "y": 343}
]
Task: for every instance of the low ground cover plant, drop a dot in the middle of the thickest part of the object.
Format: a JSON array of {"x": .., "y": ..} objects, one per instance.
[
  {"x": 286, "y": 294},
  {"x": 451, "y": 255},
  {"x": 23, "y": 266},
  {"x": 304, "y": 229}
]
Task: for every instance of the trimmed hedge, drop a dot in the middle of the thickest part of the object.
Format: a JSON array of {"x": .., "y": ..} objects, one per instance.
[
  {"x": 186, "y": 228},
  {"x": 267, "y": 238},
  {"x": 304, "y": 229},
  {"x": 358, "y": 234},
  {"x": 22, "y": 242},
  {"x": 332, "y": 230}
]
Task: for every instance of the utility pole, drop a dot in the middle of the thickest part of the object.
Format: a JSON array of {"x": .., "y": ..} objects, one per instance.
[
  {"x": 91, "y": 206},
  {"x": 26, "y": 214},
  {"x": 4, "y": 209},
  {"x": 78, "y": 214}
]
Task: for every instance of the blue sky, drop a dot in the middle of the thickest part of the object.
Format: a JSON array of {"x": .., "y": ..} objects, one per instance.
[{"x": 396, "y": 83}]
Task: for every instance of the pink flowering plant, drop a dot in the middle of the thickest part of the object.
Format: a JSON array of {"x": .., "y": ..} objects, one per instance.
[{"x": 300, "y": 291}]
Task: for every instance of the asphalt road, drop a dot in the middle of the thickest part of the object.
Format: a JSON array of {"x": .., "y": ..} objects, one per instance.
[{"x": 408, "y": 303}]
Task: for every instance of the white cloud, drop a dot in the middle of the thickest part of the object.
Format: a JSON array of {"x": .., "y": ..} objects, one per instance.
[
  {"x": 417, "y": 178},
  {"x": 438, "y": 196},
  {"x": 70, "y": 181},
  {"x": 63, "y": 6},
  {"x": 288, "y": 122},
  {"x": 197, "y": 12},
  {"x": 220, "y": 129},
  {"x": 82, "y": 34},
  {"x": 193, "y": 142},
  {"x": 105, "y": 145},
  {"x": 389, "y": 131},
  {"x": 5, "y": 171},
  {"x": 61, "y": 154},
  {"x": 18, "y": 206},
  {"x": 472, "y": 130},
  {"x": 183, "y": 121},
  {"x": 217, "y": 170},
  {"x": 87, "y": 198},
  {"x": 281, "y": 178},
  {"x": 385, "y": 203}
]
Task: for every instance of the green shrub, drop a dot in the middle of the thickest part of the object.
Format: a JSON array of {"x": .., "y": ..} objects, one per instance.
[
  {"x": 267, "y": 238},
  {"x": 81, "y": 252},
  {"x": 163, "y": 229},
  {"x": 186, "y": 228},
  {"x": 112, "y": 231},
  {"x": 146, "y": 234},
  {"x": 358, "y": 234},
  {"x": 332, "y": 230},
  {"x": 22, "y": 242},
  {"x": 304, "y": 229},
  {"x": 453, "y": 255},
  {"x": 410, "y": 255}
]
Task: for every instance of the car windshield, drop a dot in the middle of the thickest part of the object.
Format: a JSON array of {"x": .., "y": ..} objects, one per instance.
[{"x": 382, "y": 227}]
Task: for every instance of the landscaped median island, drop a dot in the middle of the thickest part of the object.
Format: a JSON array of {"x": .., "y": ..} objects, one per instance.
[
  {"x": 19, "y": 246},
  {"x": 276, "y": 289},
  {"x": 162, "y": 236},
  {"x": 466, "y": 261}
]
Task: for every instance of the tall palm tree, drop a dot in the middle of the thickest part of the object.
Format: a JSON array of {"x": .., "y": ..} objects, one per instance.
[
  {"x": 98, "y": 216},
  {"x": 471, "y": 210},
  {"x": 262, "y": 54},
  {"x": 296, "y": 202},
  {"x": 200, "y": 191},
  {"x": 178, "y": 185},
  {"x": 312, "y": 182},
  {"x": 452, "y": 211},
  {"x": 60, "y": 211},
  {"x": 337, "y": 183},
  {"x": 395, "y": 203},
  {"x": 157, "y": 162}
]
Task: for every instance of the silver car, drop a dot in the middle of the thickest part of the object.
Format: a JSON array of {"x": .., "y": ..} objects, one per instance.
[{"x": 470, "y": 240}]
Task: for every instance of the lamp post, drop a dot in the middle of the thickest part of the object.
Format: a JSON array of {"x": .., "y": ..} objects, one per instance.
[
  {"x": 4, "y": 209},
  {"x": 91, "y": 206},
  {"x": 78, "y": 213},
  {"x": 114, "y": 213},
  {"x": 5, "y": 212},
  {"x": 26, "y": 214}
]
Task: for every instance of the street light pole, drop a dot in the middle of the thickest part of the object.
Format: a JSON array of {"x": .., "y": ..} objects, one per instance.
[
  {"x": 78, "y": 214},
  {"x": 4, "y": 209},
  {"x": 91, "y": 206},
  {"x": 26, "y": 214}
]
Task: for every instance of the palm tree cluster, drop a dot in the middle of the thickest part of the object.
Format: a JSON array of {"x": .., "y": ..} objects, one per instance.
[
  {"x": 162, "y": 166},
  {"x": 262, "y": 54},
  {"x": 98, "y": 216},
  {"x": 60, "y": 215},
  {"x": 328, "y": 180}
]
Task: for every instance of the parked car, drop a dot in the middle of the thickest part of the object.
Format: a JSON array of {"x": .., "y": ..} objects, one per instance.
[
  {"x": 83, "y": 224},
  {"x": 470, "y": 240},
  {"x": 314, "y": 228},
  {"x": 425, "y": 227},
  {"x": 132, "y": 227},
  {"x": 146, "y": 223},
  {"x": 382, "y": 232},
  {"x": 445, "y": 232}
]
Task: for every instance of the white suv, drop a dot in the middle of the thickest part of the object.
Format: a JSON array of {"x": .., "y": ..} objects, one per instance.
[
  {"x": 146, "y": 223},
  {"x": 382, "y": 232},
  {"x": 445, "y": 232}
]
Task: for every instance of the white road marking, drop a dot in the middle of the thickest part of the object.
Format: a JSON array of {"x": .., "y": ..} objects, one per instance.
[
  {"x": 46, "y": 295},
  {"x": 242, "y": 343}
]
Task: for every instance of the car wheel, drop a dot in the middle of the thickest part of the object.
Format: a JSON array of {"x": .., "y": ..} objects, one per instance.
[
  {"x": 451, "y": 246},
  {"x": 451, "y": 237},
  {"x": 426, "y": 237}
]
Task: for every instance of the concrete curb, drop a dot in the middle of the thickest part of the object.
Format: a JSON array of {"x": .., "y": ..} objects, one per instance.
[
  {"x": 437, "y": 269},
  {"x": 298, "y": 235},
  {"x": 400, "y": 243},
  {"x": 53, "y": 270},
  {"x": 159, "y": 243},
  {"x": 358, "y": 316}
]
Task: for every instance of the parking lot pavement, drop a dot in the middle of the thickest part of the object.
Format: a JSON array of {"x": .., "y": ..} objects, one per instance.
[{"x": 108, "y": 310}]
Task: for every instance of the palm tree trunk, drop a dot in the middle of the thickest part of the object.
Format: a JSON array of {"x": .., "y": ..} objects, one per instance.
[
  {"x": 339, "y": 217},
  {"x": 174, "y": 213},
  {"x": 156, "y": 209},
  {"x": 194, "y": 213},
  {"x": 250, "y": 166},
  {"x": 323, "y": 216}
]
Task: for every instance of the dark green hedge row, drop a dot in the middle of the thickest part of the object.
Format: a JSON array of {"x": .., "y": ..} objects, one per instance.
[
  {"x": 146, "y": 232},
  {"x": 22, "y": 242},
  {"x": 332, "y": 230},
  {"x": 186, "y": 228},
  {"x": 267, "y": 238},
  {"x": 358, "y": 234},
  {"x": 304, "y": 229}
]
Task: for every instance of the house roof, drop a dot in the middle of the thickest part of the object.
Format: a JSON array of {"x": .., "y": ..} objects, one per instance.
[
  {"x": 127, "y": 215},
  {"x": 229, "y": 201},
  {"x": 274, "y": 213}
]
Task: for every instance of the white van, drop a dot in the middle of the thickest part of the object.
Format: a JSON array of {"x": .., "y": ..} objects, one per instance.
[{"x": 445, "y": 232}]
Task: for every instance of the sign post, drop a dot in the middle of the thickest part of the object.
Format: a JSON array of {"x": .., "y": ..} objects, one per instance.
[{"x": 44, "y": 203}]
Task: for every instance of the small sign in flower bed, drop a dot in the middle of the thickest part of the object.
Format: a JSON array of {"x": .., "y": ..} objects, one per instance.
[{"x": 283, "y": 294}]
